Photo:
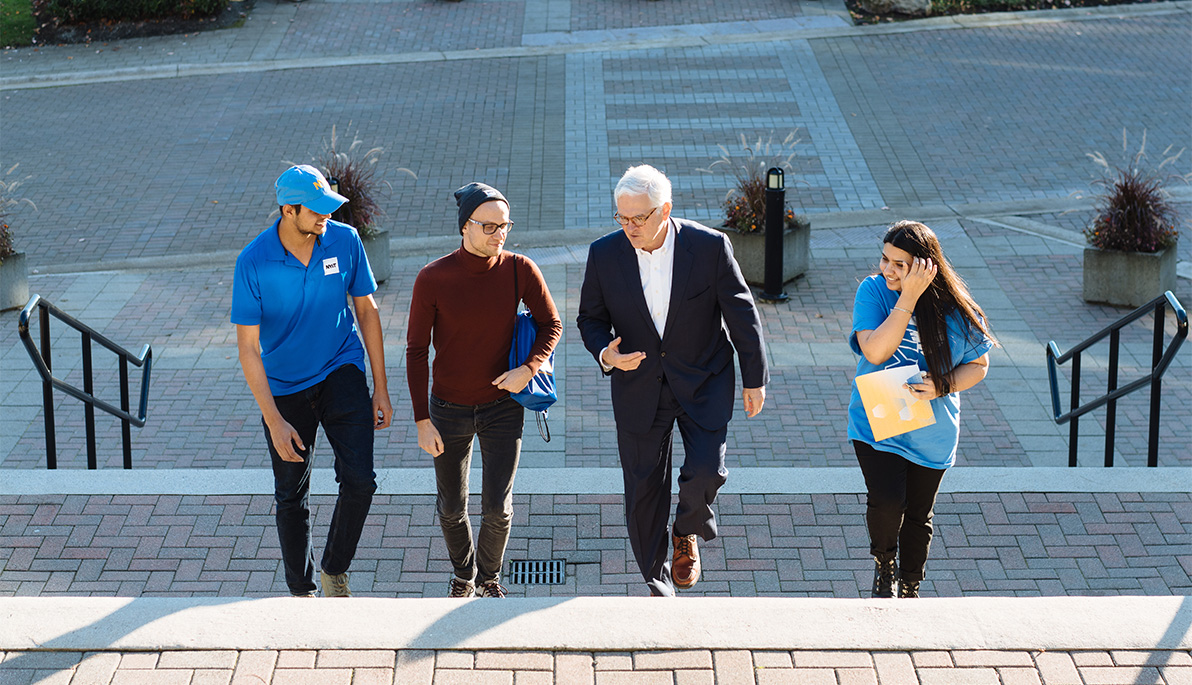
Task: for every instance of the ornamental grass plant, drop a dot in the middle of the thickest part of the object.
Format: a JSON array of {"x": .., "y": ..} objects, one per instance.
[
  {"x": 1134, "y": 212},
  {"x": 745, "y": 203},
  {"x": 9, "y": 200},
  {"x": 355, "y": 173}
]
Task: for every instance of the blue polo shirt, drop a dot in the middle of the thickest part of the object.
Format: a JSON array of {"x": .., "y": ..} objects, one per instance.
[
  {"x": 307, "y": 327},
  {"x": 932, "y": 446}
]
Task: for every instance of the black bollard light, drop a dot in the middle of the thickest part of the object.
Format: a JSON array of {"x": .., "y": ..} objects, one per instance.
[
  {"x": 775, "y": 225},
  {"x": 337, "y": 215}
]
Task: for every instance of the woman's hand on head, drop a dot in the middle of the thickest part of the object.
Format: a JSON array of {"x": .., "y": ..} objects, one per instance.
[{"x": 919, "y": 276}]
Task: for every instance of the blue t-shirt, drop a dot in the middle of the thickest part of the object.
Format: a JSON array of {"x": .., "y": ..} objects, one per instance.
[
  {"x": 307, "y": 327},
  {"x": 932, "y": 446}
]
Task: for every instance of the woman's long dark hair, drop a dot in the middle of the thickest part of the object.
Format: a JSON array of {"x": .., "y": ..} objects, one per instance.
[{"x": 946, "y": 294}]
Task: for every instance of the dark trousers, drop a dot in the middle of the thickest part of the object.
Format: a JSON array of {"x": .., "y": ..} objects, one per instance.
[
  {"x": 899, "y": 507},
  {"x": 646, "y": 467},
  {"x": 342, "y": 405},
  {"x": 499, "y": 426}
]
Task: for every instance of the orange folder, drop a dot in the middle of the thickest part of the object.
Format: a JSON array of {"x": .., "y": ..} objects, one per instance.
[{"x": 892, "y": 409}]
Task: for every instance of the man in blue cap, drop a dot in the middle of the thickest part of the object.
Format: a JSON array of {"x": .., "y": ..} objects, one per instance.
[{"x": 301, "y": 352}]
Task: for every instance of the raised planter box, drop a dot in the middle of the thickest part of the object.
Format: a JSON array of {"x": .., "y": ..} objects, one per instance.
[
  {"x": 750, "y": 251},
  {"x": 14, "y": 282},
  {"x": 377, "y": 249},
  {"x": 1127, "y": 279}
]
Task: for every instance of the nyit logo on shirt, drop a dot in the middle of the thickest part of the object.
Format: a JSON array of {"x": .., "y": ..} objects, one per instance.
[
  {"x": 909, "y": 349},
  {"x": 330, "y": 266}
]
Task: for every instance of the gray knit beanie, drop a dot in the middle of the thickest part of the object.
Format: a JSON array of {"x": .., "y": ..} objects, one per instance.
[{"x": 472, "y": 196}]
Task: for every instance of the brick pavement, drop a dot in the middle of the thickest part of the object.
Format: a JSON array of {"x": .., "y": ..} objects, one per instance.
[
  {"x": 532, "y": 124},
  {"x": 908, "y": 120},
  {"x": 689, "y": 667},
  {"x": 987, "y": 544}
]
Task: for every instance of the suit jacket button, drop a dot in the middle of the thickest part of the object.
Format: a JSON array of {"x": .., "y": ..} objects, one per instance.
[
  {"x": 660, "y": 379},
  {"x": 663, "y": 354}
]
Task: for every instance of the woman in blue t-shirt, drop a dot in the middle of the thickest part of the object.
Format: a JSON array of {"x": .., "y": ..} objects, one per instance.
[{"x": 915, "y": 312}]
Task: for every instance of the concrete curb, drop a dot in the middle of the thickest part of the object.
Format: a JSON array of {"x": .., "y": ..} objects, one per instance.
[{"x": 596, "y": 624}]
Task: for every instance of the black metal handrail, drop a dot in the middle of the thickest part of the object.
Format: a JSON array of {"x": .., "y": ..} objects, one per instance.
[
  {"x": 1160, "y": 360},
  {"x": 42, "y": 362}
]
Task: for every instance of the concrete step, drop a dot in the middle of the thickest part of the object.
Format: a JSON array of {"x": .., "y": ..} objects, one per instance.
[{"x": 596, "y": 624}]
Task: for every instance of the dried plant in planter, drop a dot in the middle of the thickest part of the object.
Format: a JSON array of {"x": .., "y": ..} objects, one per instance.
[
  {"x": 6, "y": 247},
  {"x": 745, "y": 203},
  {"x": 1134, "y": 212},
  {"x": 356, "y": 174},
  {"x": 8, "y": 200}
]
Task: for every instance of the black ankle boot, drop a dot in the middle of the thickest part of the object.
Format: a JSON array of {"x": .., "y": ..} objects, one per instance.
[
  {"x": 908, "y": 589},
  {"x": 884, "y": 578}
]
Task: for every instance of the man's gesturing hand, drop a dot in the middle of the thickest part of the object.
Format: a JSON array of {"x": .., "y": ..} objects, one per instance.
[{"x": 626, "y": 362}]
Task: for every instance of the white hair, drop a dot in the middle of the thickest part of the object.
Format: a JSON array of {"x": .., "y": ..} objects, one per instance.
[{"x": 644, "y": 180}]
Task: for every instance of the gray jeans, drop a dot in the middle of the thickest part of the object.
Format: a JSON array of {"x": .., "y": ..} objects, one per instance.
[{"x": 499, "y": 426}]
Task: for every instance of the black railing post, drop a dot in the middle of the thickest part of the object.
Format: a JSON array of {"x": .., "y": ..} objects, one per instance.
[
  {"x": 47, "y": 390},
  {"x": 1111, "y": 406},
  {"x": 88, "y": 408},
  {"x": 125, "y": 426},
  {"x": 1152, "y": 449},
  {"x": 42, "y": 362},
  {"x": 1073, "y": 429},
  {"x": 1160, "y": 360}
]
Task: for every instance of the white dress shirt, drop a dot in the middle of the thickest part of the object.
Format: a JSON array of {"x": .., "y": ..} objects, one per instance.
[{"x": 657, "y": 271}]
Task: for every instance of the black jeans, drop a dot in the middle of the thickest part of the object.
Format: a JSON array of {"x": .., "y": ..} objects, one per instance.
[
  {"x": 498, "y": 424},
  {"x": 342, "y": 405},
  {"x": 646, "y": 469},
  {"x": 899, "y": 507}
]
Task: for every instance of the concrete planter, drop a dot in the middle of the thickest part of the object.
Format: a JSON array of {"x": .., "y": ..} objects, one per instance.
[
  {"x": 377, "y": 249},
  {"x": 750, "y": 251},
  {"x": 1127, "y": 279},
  {"x": 14, "y": 282}
]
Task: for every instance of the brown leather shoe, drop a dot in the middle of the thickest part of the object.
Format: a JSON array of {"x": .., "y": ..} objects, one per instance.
[{"x": 685, "y": 563}]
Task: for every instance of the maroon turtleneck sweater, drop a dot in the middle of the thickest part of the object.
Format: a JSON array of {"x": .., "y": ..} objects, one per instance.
[{"x": 464, "y": 304}]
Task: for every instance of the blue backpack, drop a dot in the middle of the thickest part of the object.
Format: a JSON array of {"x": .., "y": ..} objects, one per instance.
[{"x": 539, "y": 394}]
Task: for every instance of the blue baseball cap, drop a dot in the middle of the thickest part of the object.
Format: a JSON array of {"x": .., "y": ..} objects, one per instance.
[{"x": 305, "y": 185}]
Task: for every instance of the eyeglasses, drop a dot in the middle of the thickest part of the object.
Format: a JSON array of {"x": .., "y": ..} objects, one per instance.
[
  {"x": 639, "y": 220},
  {"x": 490, "y": 229}
]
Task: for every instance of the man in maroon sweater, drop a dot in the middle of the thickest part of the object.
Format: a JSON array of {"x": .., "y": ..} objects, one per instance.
[{"x": 465, "y": 302}]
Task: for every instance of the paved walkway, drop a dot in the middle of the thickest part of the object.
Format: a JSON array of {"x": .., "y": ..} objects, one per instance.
[
  {"x": 802, "y": 545},
  {"x": 1112, "y": 640},
  {"x": 705, "y": 667},
  {"x": 151, "y": 162}
]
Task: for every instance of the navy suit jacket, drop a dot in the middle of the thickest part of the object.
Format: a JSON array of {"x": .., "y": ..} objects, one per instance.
[{"x": 708, "y": 296}]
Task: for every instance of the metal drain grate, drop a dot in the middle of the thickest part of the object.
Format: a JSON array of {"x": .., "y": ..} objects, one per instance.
[{"x": 537, "y": 572}]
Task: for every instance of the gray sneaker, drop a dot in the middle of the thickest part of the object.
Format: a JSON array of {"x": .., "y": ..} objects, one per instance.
[
  {"x": 491, "y": 588},
  {"x": 461, "y": 588},
  {"x": 335, "y": 586}
]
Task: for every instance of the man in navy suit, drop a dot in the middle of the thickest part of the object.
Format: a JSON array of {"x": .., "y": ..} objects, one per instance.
[{"x": 654, "y": 307}]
